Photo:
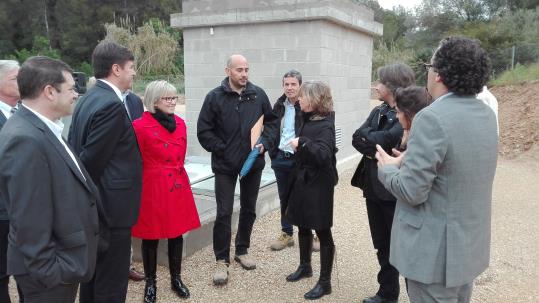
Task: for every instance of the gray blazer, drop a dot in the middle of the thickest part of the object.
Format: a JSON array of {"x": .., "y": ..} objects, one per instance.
[
  {"x": 52, "y": 208},
  {"x": 441, "y": 227}
]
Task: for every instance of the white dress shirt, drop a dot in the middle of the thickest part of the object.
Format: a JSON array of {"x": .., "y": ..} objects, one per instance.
[{"x": 57, "y": 128}]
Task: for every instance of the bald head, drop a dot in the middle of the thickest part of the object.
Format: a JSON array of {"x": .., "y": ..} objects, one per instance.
[
  {"x": 237, "y": 70},
  {"x": 235, "y": 60}
]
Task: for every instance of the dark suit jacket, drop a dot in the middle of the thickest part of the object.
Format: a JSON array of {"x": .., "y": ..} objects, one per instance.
[
  {"x": 3, "y": 211},
  {"x": 103, "y": 137},
  {"x": 52, "y": 208},
  {"x": 134, "y": 106}
]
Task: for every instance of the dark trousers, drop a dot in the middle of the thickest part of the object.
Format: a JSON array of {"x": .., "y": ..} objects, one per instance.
[
  {"x": 35, "y": 292},
  {"x": 4, "y": 277},
  {"x": 380, "y": 215},
  {"x": 224, "y": 195},
  {"x": 282, "y": 166},
  {"x": 324, "y": 235},
  {"x": 109, "y": 284}
]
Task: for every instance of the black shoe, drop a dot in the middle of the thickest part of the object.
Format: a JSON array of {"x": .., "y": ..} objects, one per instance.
[
  {"x": 304, "y": 271},
  {"x": 378, "y": 299},
  {"x": 320, "y": 289},
  {"x": 179, "y": 288},
  {"x": 150, "y": 291}
]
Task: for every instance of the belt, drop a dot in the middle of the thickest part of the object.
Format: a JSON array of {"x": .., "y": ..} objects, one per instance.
[{"x": 286, "y": 155}]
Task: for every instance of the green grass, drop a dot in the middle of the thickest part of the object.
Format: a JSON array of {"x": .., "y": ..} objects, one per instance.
[
  {"x": 520, "y": 74},
  {"x": 139, "y": 85}
]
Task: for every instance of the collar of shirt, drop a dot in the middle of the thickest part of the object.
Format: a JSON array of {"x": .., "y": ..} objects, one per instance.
[
  {"x": 116, "y": 89},
  {"x": 55, "y": 126},
  {"x": 443, "y": 97},
  {"x": 6, "y": 109}
]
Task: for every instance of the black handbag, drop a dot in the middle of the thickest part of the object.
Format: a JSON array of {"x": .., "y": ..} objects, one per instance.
[{"x": 360, "y": 175}]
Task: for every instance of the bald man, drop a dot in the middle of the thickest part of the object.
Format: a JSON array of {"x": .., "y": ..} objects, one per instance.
[{"x": 224, "y": 129}]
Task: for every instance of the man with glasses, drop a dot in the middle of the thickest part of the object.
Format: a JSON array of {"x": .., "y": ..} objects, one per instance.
[
  {"x": 443, "y": 182},
  {"x": 381, "y": 127}
]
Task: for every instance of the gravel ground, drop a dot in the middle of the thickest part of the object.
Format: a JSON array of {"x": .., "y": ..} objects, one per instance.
[{"x": 512, "y": 276}]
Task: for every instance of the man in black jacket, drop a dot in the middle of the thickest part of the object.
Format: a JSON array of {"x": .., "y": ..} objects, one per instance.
[
  {"x": 381, "y": 127},
  {"x": 224, "y": 128},
  {"x": 103, "y": 137},
  {"x": 289, "y": 120}
]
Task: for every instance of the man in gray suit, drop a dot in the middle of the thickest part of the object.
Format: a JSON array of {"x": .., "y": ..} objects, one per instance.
[
  {"x": 51, "y": 199},
  {"x": 440, "y": 239}
]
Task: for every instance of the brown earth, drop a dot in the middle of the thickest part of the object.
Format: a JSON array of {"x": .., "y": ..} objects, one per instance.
[{"x": 518, "y": 110}]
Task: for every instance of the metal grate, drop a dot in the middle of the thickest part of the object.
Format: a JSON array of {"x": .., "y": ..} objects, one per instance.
[{"x": 338, "y": 137}]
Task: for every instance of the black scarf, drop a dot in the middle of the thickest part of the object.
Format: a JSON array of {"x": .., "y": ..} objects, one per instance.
[{"x": 167, "y": 120}]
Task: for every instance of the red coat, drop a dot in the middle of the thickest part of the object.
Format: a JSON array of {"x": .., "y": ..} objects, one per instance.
[{"x": 167, "y": 209}]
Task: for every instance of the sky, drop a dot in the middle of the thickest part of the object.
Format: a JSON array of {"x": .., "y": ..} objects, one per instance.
[{"x": 388, "y": 4}]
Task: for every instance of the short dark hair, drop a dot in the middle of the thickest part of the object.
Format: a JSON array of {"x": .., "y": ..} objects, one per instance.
[
  {"x": 462, "y": 64},
  {"x": 293, "y": 74},
  {"x": 410, "y": 100},
  {"x": 38, "y": 72},
  {"x": 396, "y": 75},
  {"x": 106, "y": 54}
]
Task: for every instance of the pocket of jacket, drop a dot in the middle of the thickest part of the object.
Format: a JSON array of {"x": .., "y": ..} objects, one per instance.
[
  {"x": 119, "y": 184},
  {"x": 414, "y": 220},
  {"x": 72, "y": 240}
]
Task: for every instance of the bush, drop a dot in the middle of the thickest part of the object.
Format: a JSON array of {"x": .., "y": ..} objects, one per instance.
[
  {"x": 41, "y": 47},
  {"x": 520, "y": 74}
]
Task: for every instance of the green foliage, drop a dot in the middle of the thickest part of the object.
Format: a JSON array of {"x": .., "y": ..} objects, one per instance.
[
  {"x": 139, "y": 85},
  {"x": 86, "y": 68},
  {"x": 384, "y": 55},
  {"x": 41, "y": 47},
  {"x": 155, "y": 46},
  {"x": 520, "y": 74}
]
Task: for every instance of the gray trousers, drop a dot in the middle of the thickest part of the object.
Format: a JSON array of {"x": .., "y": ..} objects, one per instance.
[
  {"x": 34, "y": 292},
  {"x": 438, "y": 293}
]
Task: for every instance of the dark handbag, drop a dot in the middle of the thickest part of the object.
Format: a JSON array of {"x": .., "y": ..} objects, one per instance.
[{"x": 360, "y": 175}]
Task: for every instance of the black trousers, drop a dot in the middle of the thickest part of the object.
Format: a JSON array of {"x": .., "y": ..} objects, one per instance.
[
  {"x": 224, "y": 195},
  {"x": 34, "y": 292},
  {"x": 283, "y": 166},
  {"x": 380, "y": 215},
  {"x": 324, "y": 235},
  {"x": 109, "y": 284},
  {"x": 4, "y": 277}
]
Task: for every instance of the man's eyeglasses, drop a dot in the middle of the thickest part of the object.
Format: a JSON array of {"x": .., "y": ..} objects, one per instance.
[
  {"x": 427, "y": 66},
  {"x": 173, "y": 99}
]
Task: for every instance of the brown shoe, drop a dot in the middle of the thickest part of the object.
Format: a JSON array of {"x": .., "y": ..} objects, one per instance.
[
  {"x": 316, "y": 243},
  {"x": 284, "y": 240},
  {"x": 135, "y": 275},
  {"x": 246, "y": 261}
]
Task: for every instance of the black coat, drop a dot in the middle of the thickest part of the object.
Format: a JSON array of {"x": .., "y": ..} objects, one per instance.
[
  {"x": 225, "y": 122},
  {"x": 53, "y": 208},
  {"x": 134, "y": 106},
  {"x": 310, "y": 200},
  {"x": 278, "y": 111},
  {"x": 381, "y": 127},
  {"x": 103, "y": 137}
]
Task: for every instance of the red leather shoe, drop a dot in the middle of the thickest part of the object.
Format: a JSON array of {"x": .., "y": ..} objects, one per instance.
[{"x": 135, "y": 275}]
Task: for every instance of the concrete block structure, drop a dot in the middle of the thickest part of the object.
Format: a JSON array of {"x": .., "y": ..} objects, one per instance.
[{"x": 327, "y": 40}]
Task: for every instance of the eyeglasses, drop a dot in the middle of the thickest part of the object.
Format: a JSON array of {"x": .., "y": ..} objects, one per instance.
[
  {"x": 173, "y": 99},
  {"x": 427, "y": 66}
]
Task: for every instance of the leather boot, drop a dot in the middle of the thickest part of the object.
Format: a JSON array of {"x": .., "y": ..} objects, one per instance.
[
  {"x": 175, "y": 252},
  {"x": 305, "y": 251},
  {"x": 323, "y": 287},
  {"x": 149, "y": 260}
]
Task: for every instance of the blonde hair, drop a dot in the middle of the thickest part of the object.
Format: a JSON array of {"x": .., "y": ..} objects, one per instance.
[
  {"x": 318, "y": 94},
  {"x": 154, "y": 91}
]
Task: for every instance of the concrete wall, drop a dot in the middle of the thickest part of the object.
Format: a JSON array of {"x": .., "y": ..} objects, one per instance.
[{"x": 330, "y": 41}]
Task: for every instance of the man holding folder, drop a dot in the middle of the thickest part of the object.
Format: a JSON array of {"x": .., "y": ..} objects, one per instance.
[{"x": 227, "y": 120}]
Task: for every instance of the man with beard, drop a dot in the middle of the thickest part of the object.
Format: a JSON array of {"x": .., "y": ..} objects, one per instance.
[{"x": 224, "y": 128}]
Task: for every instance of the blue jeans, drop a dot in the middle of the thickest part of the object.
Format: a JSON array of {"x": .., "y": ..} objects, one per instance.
[{"x": 282, "y": 166}]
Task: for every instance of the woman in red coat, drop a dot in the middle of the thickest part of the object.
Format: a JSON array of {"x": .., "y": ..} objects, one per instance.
[{"x": 167, "y": 209}]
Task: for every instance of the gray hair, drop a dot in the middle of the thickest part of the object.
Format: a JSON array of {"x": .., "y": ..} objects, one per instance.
[
  {"x": 6, "y": 66},
  {"x": 154, "y": 91},
  {"x": 293, "y": 74}
]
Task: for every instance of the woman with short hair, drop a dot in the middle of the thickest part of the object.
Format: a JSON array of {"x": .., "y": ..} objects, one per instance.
[
  {"x": 167, "y": 209},
  {"x": 310, "y": 200}
]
